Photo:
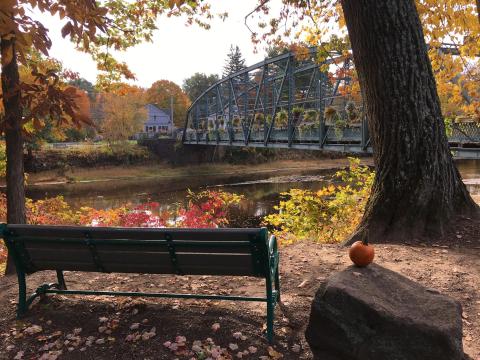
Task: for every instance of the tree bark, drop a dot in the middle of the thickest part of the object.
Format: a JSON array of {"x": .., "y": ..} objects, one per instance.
[
  {"x": 417, "y": 189},
  {"x": 13, "y": 137},
  {"x": 478, "y": 10}
]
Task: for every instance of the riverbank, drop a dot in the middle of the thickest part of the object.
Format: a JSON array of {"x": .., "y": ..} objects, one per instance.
[
  {"x": 86, "y": 155},
  {"x": 166, "y": 171}
]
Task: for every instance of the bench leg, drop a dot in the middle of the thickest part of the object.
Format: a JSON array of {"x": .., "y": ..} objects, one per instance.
[
  {"x": 22, "y": 293},
  {"x": 270, "y": 309},
  {"x": 277, "y": 284},
  {"x": 270, "y": 316},
  {"x": 61, "y": 280}
]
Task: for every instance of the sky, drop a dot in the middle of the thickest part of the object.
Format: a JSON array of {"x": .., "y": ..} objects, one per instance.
[{"x": 177, "y": 50}]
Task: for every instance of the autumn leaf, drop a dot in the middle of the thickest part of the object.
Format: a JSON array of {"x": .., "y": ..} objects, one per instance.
[
  {"x": 67, "y": 29},
  {"x": 274, "y": 354}
]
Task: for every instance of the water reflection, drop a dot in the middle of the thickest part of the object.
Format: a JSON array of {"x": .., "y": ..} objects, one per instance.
[
  {"x": 261, "y": 191},
  {"x": 469, "y": 168}
]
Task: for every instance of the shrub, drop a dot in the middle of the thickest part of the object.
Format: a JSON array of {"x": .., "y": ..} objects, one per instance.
[
  {"x": 206, "y": 209},
  {"x": 327, "y": 215}
]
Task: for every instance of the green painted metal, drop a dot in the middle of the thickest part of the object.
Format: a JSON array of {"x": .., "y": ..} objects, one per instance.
[
  {"x": 264, "y": 251},
  {"x": 91, "y": 244},
  {"x": 61, "y": 280},
  {"x": 173, "y": 254},
  {"x": 155, "y": 295},
  {"x": 22, "y": 305},
  {"x": 137, "y": 241},
  {"x": 284, "y": 82}
]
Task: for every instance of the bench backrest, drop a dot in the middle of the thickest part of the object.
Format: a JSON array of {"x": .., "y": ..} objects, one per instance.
[{"x": 140, "y": 250}]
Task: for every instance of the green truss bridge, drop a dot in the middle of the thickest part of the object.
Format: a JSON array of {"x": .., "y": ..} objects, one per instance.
[{"x": 285, "y": 102}]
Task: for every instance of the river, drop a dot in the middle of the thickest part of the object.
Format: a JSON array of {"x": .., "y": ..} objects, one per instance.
[{"x": 261, "y": 190}]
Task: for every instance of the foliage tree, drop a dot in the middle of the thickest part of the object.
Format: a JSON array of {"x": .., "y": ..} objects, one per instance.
[
  {"x": 124, "y": 113},
  {"x": 84, "y": 85},
  {"x": 86, "y": 131},
  {"x": 417, "y": 189},
  {"x": 234, "y": 62},
  {"x": 456, "y": 68},
  {"x": 26, "y": 103},
  {"x": 161, "y": 94},
  {"x": 274, "y": 50},
  {"x": 94, "y": 27},
  {"x": 196, "y": 84},
  {"x": 39, "y": 130},
  {"x": 326, "y": 215}
]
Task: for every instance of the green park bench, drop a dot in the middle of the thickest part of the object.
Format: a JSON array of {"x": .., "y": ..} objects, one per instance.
[{"x": 220, "y": 252}]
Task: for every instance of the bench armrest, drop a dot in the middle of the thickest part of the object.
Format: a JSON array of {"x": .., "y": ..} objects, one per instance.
[
  {"x": 272, "y": 245},
  {"x": 273, "y": 254}
]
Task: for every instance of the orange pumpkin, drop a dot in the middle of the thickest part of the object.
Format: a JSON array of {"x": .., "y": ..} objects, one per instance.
[{"x": 361, "y": 254}]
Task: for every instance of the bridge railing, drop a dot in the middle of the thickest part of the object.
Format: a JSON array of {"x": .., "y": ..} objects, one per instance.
[{"x": 287, "y": 102}]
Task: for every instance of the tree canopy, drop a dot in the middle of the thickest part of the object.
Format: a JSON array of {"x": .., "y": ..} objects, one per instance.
[
  {"x": 234, "y": 62},
  {"x": 321, "y": 23},
  {"x": 96, "y": 28},
  {"x": 196, "y": 84},
  {"x": 124, "y": 113},
  {"x": 162, "y": 92}
]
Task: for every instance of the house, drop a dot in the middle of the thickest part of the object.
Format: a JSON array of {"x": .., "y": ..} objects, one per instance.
[{"x": 159, "y": 121}]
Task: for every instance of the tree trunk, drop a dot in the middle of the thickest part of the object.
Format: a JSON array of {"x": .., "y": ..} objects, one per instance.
[
  {"x": 417, "y": 189},
  {"x": 13, "y": 137},
  {"x": 478, "y": 10}
]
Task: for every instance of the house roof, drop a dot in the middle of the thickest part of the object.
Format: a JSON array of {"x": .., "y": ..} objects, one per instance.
[
  {"x": 166, "y": 111},
  {"x": 157, "y": 116}
]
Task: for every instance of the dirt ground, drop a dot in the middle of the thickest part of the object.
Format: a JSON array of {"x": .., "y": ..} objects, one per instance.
[{"x": 136, "y": 328}]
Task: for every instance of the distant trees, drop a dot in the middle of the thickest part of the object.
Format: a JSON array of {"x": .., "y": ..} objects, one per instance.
[
  {"x": 234, "y": 62},
  {"x": 49, "y": 129},
  {"x": 85, "y": 85},
  {"x": 42, "y": 126},
  {"x": 86, "y": 131},
  {"x": 273, "y": 50},
  {"x": 162, "y": 91},
  {"x": 196, "y": 84},
  {"x": 124, "y": 113}
]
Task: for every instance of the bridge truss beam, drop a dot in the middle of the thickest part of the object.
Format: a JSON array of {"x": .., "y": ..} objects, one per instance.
[{"x": 286, "y": 102}]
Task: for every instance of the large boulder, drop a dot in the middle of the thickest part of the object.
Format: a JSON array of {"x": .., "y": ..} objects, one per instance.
[{"x": 373, "y": 313}]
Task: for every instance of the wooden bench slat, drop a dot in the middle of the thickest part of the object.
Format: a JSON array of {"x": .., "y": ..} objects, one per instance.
[
  {"x": 81, "y": 254},
  {"x": 134, "y": 233},
  {"x": 237, "y": 247},
  {"x": 156, "y": 261},
  {"x": 143, "y": 268},
  {"x": 65, "y": 265},
  {"x": 189, "y": 269}
]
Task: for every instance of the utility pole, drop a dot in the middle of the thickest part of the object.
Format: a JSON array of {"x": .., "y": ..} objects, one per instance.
[{"x": 171, "y": 112}]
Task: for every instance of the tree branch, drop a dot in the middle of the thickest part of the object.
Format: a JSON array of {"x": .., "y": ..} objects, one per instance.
[{"x": 255, "y": 10}]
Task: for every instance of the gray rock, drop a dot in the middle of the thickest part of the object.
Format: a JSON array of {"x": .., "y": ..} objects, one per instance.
[{"x": 373, "y": 313}]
